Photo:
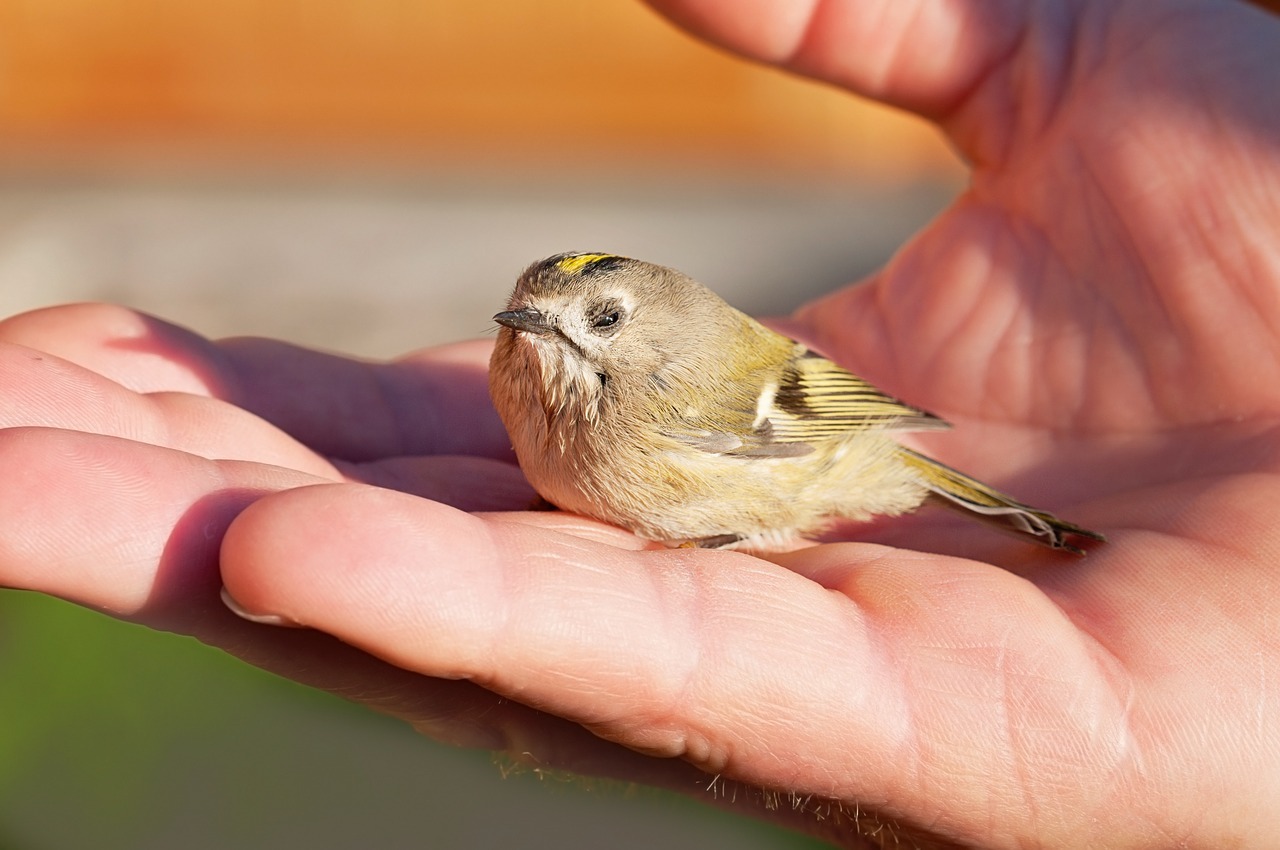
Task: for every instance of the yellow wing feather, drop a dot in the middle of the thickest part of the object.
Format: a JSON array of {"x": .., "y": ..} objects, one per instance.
[
  {"x": 784, "y": 413},
  {"x": 817, "y": 400}
]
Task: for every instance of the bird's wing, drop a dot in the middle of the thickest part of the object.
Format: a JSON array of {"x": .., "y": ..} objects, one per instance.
[
  {"x": 811, "y": 400},
  {"x": 816, "y": 399}
]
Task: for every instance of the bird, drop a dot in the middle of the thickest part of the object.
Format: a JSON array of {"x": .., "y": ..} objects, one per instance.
[{"x": 635, "y": 395}]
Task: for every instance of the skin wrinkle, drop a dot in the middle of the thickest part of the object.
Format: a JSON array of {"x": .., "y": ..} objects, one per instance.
[
  {"x": 1076, "y": 750},
  {"x": 975, "y": 97},
  {"x": 960, "y": 325},
  {"x": 1131, "y": 319},
  {"x": 881, "y": 304},
  {"x": 894, "y": 45},
  {"x": 1263, "y": 308},
  {"x": 92, "y": 395},
  {"x": 971, "y": 102},
  {"x": 904, "y": 326},
  {"x": 880, "y": 613},
  {"x": 379, "y": 380},
  {"x": 1264, "y": 698},
  {"x": 1043, "y": 71},
  {"x": 962, "y": 319},
  {"x": 882, "y": 652},
  {"x": 1112, "y": 671},
  {"x": 498, "y": 610},
  {"x": 1246, "y": 330},
  {"x": 659, "y": 716},
  {"x": 1250, "y": 324},
  {"x": 680, "y": 596},
  {"x": 695, "y": 735},
  {"x": 232, "y": 387},
  {"x": 1000, "y": 702},
  {"x": 169, "y": 425},
  {"x": 766, "y": 701},
  {"x": 1267, "y": 606},
  {"x": 1018, "y": 767},
  {"x": 1169, "y": 719},
  {"x": 874, "y": 646},
  {"x": 1081, "y": 69},
  {"x": 1097, "y": 359},
  {"x": 1044, "y": 382},
  {"x": 1241, "y": 548},
  {"x": 1068, "y": 344},
  {"x": 1007, "y": 347},
  {"x": 940, "y": 779},
  {"x": 508, "y": 589},
  {"x": 795, "y": 56},
  {"x": 1016, "y": 736},
  {"x": 975, "y": 309}
]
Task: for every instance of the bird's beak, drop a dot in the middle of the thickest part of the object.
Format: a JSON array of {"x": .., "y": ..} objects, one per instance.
[{"x": 525, "y": 319}]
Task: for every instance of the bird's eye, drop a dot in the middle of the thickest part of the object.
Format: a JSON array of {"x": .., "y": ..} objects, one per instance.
[{"x": 607, "y": 320}]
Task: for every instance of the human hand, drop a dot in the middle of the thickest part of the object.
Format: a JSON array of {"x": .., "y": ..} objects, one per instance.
[
  {"x": 1095, "y": 316},
  {"x": 128, "y": 445}
]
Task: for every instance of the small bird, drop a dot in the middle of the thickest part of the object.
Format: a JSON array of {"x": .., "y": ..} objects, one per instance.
[{"x": 635, "y": 395}]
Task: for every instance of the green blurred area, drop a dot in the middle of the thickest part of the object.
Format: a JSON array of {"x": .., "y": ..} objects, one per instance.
[{"x": 116, "y": 736}]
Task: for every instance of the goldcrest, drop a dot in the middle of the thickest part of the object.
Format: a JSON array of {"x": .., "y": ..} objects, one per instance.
[{"x": 635, "y": 395}]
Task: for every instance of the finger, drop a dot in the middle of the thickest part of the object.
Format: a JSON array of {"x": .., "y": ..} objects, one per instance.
[
  {"x": 115, "y": 524},
  {"x": 435, "y": 401},
  {"x": 924, "y": 56},
  {"x": 134, "y": 530},
  {"x": 44, "y": 390},
  {"x": 432, "y": 402},
  {"x": 995, "y": 71},
  {"x": 462, "y": 481},
  {"x": 883, "y": 691},
  {"x": 137, "y": 351}
]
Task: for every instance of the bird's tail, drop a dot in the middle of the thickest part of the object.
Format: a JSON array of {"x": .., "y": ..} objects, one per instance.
[{"x": 958, "y": 491}]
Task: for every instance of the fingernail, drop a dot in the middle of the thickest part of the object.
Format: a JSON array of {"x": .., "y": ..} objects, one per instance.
[{"x": 264, "y": 619}]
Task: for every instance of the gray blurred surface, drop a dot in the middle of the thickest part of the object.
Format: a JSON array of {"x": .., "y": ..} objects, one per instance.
[{"x": 377, "y": 268}]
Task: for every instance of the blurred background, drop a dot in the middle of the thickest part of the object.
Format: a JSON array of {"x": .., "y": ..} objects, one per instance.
[{"x": 369, "y": 176}]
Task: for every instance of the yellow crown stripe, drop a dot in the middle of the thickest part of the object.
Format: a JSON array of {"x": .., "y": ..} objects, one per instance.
[{"x": 577, "y": 262}]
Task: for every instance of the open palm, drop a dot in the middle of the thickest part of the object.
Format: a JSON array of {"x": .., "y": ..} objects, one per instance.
[{"x": 1097, "y": 315}]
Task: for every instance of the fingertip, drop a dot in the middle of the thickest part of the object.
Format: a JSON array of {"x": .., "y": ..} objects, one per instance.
[
  {"x": 138, "y": 351},
  {"x": 253, "y": 617},
  {"x": 69, "y": 324},
  {"x": 922, "y": 57},
  {"x": 124, "y": 527},
  {"x": 267, "y": 542},
  {"x": 762, "y": 29}
]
